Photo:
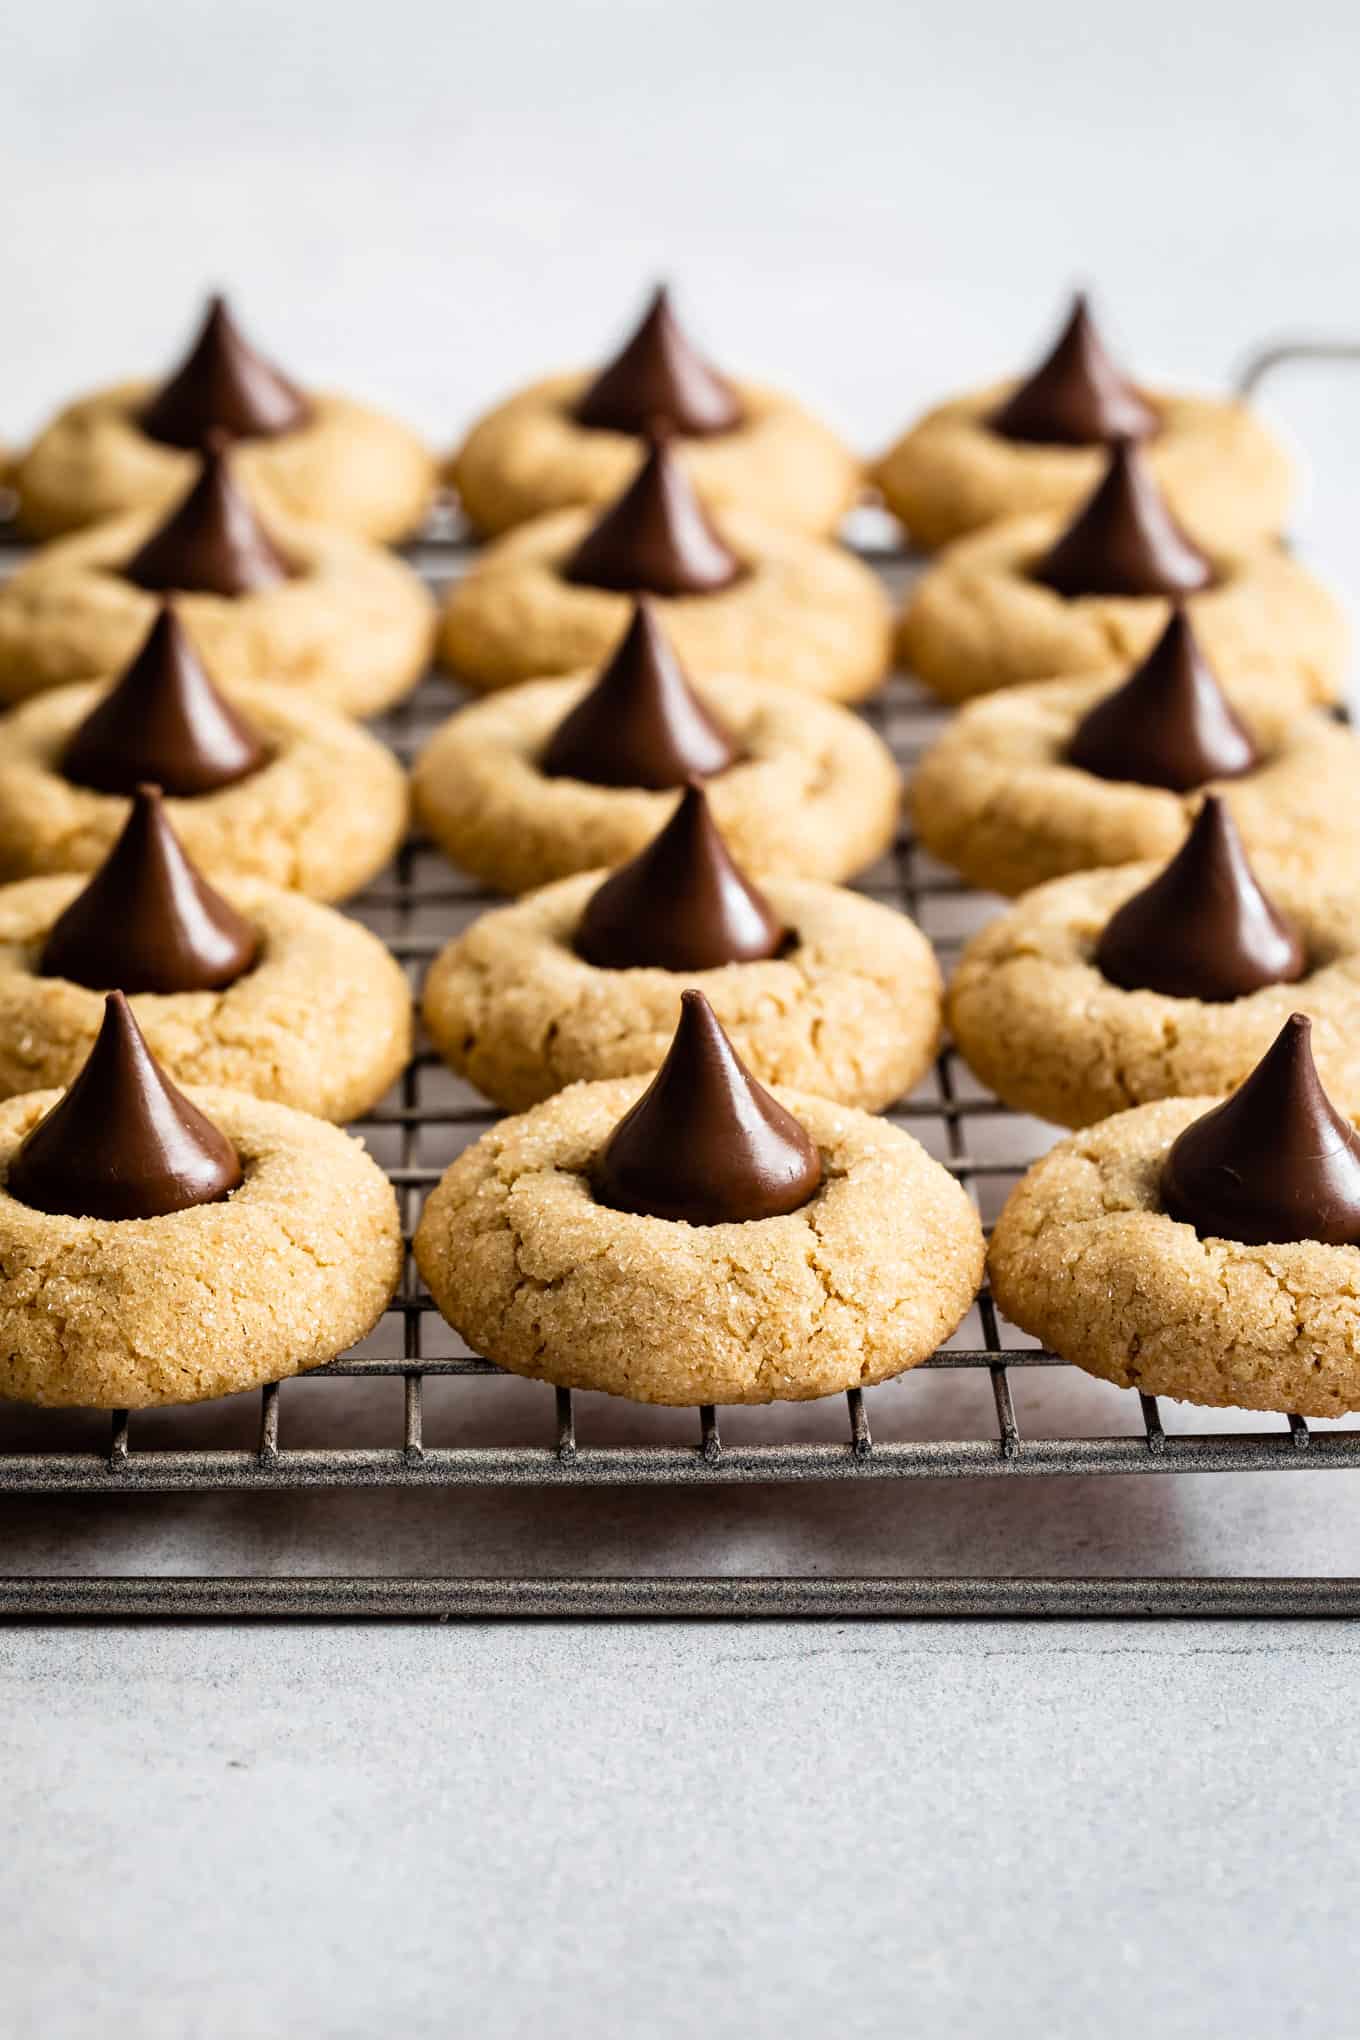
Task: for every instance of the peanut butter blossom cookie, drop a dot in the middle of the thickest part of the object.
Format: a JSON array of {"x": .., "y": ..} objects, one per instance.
[
  {"x": 1038, "y": 445},
  {"x": 1112, "y": 988},
  {"x": 1205, "y": 1251},
  {"x": 320, "y": 458},
  {"x": 162, "y": 1248},
  {"x": 265, "y": 785},
  {"x": 292, "y": 605},
  {"x": 257, "y": 989},
  {"x": 698, "y": 1239},
  {"x": 818, "y": 988},
  {"x": 574, "y": 439},
  {"x": 1069, "y": 775},
  {"x": 1033, "y": 597},
  {"x": 737, "y": 595},
  {"x": 560, "y": 776}
]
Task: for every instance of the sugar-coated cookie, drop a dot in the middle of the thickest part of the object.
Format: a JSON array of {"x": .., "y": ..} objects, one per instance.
[
  {"x": 1040, "y": 1023},
  {"x": 1033, "y": 597},
  {"x": 1013, "y": 449},
  {"x": 997, "y": 797},
  {"x": 320, "y": 1020},
  {"x": 849, "y": 1010},
  {"x": 813, "y": 791},
  {"x": 291, "y": 605},
  {"x": 322, "y": 815},
  {"x": 1200, "y": 1249},
  {"x": 158, "y": 1247},
  {"x": 734, "y": 594},
  {"x": 574, "y": 439},
  {"x": 317, "y": 458},
  {"x": 552, "y": 1245}
]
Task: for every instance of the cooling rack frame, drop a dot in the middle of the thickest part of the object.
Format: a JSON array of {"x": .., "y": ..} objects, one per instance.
[{"x": 553, "y": 1458}]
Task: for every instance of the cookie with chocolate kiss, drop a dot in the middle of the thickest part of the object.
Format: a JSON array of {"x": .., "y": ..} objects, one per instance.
[
  {"x": 1077, "y": 396},
  {"x": 681, "y": 905},
  {"x": 1276, "y": 1162},
  {"x": 164, "y": 722},
  {"x": 1203, "y": 929},
  {"x": 148, "y": 921},
  {"x": 223, "y": 385},
  {"x": 706, "y": 1144},
  {"x": 658, "y": 374},
  {"x": 212, "y": 543},
  {"x": 656, "y": 538},
  {"x": 1124, "y": 541},
  {"x": 641, "y": 724},
  {"x": 123, "y": 1142},
  {"x": 1170, "y": 723}
]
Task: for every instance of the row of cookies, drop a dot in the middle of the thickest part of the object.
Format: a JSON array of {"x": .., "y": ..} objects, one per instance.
[
  {"x": 1141, "y": 759},
  {"x": 738, "y": 1226},
  {"x": 689, "y": 1238},
  {"x": 1191, "y": 1249},
  {"x": 571, "y": 440},
  {"x": 162, "y": 1247}
]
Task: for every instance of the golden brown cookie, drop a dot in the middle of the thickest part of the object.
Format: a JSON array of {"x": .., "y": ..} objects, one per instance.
[
  {"x": 851, "y": 1011},
  {"x": 1036, "y": 1019},
  {"x": 528, "y": 456},
  {"x": 1223, "y": 473},
  {"x": 322, "y": 817},
  {"x": 285, "y": 1274},
  {"x": 862, "y": 1282},
  {"x": 322, "y": 1021},
  {"x": 976, "y": 621},
  {"x": 816, "y": 792},
  {"x": 352, "y": 630},
  {"x": 994, "y": 796},
  {"x": 347, "y": 466},
  {"x": 804, "y": 614},
  {"x": 1086, "y": 1258}
]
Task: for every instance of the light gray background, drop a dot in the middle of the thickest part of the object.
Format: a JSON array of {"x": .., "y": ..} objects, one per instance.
[{"x": 739, "y": 1832}]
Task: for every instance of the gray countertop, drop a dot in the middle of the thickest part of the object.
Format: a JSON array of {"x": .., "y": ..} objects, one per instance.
[
  {"x": 738, "y": 1831},
  {"x": 984, "y": 1829}
]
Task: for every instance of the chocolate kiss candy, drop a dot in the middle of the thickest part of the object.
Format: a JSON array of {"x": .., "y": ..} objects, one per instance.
[
  {"x": 658, "y": 375},
  {"x": 641, "y": 724},
  {"x": 681, "y": 905},
  {"x": 1169, "y": 724},
  {"x": 122, "y": 1142},
  {"x": 147, "y": 922},
  {"x": 163, "y": 722},
  {"x": 1124, "y": 540},
  {"x": 212, "y": 543},
  {"x": 1203, "y": 929},
  {"x": 706, "y": 1144},
  {"x": 1276, "y": 1162},
  {"x": 655, "y": 538},
  {"x": 1076, "y": 396},
  {"x": 223, "y": 385}
]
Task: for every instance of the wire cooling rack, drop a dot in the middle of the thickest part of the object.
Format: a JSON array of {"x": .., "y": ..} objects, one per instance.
[{"x": 417, "y": 1130}]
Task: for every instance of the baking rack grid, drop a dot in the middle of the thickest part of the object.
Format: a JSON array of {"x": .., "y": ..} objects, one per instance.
[{"x": 416, "y": 1131}]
